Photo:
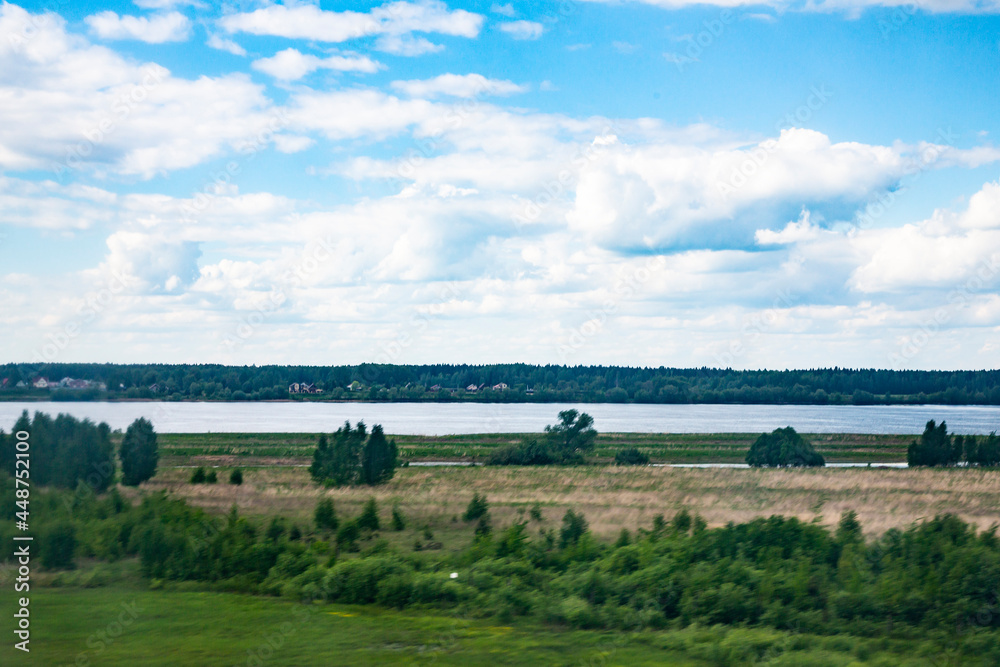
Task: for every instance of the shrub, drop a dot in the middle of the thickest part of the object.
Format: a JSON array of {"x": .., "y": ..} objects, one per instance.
[
  {"x": 198, "y": 476},
  {"x": 573, "y": 528},
  {"x": 211, "y": 477},
  {"x": 236, "y": 477},
  {"x": 783, "y": 447},
  {"x": 57, "y": 544},
  {"x": 398, "y": 520},
  {"x": 325, "y": 517},
  {"x": 369, "y": 516},
  {"x": 631, "y": 457},
  {"x": 528, "y": 453},
  {"x": 478, "y": 507}
]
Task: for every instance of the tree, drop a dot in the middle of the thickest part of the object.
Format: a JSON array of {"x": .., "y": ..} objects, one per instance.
[
  {"x": 198, "y": 476},
  {"x": 378, "y": 458},
  {"x": 236, "y": 477},
  {"x": 325, "y": 516},
  {"x": 783, "y": 447},
  {"x": 573, "y": 436},
  {"x": 57, "y": 544},
  {"x": 934, "y": 448},
  {"x": 478, "y": 507},
  {"x": 369, "y": 516},
  {"x": 138, "y": 453},
  {"x": 573, "y": 527}
]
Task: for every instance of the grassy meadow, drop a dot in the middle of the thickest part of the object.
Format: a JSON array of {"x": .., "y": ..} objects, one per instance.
[
  {"x": 296, "y": 448},
  {"x": 613, "y": 497},
  {"x": 126, "y": 624}
]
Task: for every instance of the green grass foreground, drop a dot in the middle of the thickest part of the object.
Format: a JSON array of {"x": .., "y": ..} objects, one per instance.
[
  {"x": 128, "y": 624},
  {"x": 660, "y": 447}
]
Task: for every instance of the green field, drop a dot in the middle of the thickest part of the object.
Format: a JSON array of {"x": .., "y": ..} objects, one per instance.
[
  {"x": 127, "y": 624},
  {"x": 296, "y": 448}
]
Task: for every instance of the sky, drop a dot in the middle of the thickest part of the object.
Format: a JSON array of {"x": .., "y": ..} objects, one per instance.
[{"x": 728, "y": 183}]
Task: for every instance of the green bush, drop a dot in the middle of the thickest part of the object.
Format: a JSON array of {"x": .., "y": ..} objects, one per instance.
[
  {"x": 631, "y": 457},
  {"x": 236, "y": 477},
  {"x": 198, "y": 476}
]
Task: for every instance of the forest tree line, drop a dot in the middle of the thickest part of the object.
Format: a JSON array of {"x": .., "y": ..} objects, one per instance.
[{"x": 506, "y": 383}]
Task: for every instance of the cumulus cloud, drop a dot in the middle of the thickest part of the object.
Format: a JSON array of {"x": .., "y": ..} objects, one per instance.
[
  {"x": 523, "y": 30},
  {"x": 849, "y": 7},
  {"x": 457, "y": 85},
  {"x": 304, "y": 21},
  {"x": 223, "y": 44},
  {"x": 172, "y": 27},
  {"x": 74, "y": 106},
  {"x": 945, "y": 251},
  {"x": 291, "y": 64}
]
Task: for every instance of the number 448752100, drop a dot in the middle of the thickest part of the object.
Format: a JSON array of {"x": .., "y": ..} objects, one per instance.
[{"x": 21, "y": 476}]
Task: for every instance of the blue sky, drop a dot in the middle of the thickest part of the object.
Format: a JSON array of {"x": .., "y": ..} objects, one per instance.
[{"x": 745, "y": 184}]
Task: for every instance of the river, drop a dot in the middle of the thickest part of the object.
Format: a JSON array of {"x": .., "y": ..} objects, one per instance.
[{"x": 464, "y": 418}]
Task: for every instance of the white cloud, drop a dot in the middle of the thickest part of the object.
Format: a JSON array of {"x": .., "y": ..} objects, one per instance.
[
  {"x": 285, "y": 143},
  {"x": 457, "y": 85},
  {"x": 794, "y": 232},
  {"x": 523, "y": 30},
  {"x": 504, "y": 10},
  {"x": 850, "y": 7},
  {"x": 304, "y": 21},
  {"x": 74, "y": 106},
  {"x": 166, "y": 4},
  {"x": 223, "y": 44},
  {"x": 944, "y": 251},
  {"x": 406, "y": 45},
  {"x": 625, "y": 47},
  {"x": 290, "y": 64},
  {"x": 172, "y": 27}
]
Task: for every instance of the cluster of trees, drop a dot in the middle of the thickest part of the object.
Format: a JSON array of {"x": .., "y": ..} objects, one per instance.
[
  {"x": 567, "y": 442},
  {"x": 924, "y": 581},
  {"x": 353, "y": 456},
  {"x": 66, "y": 451},
  {"x": 783, "y": 447},
  {"x": 937, "y": 447},
  {"x": 550, "y": 383}
]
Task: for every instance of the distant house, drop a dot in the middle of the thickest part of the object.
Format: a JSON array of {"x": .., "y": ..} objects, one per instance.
[
  {"x": 529, "y": 391},
  {"x": 472, "y": 388},
  {"x": 155, "y": 388},
  {"x": 40, "y": 383},
  {"x": 303, "y": 388},
  {"x": 436, "y": 387},
  {"x": 4, "y": 383},
  {"x": 500, "y": 387},
  {"x": 294, "y": 388},
  {"x": 70, "y": 383},
  {"x": 20, "y": 384}
]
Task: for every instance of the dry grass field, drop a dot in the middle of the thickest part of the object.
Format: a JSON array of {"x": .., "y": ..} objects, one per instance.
[{"x": 616, "y": 497}]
